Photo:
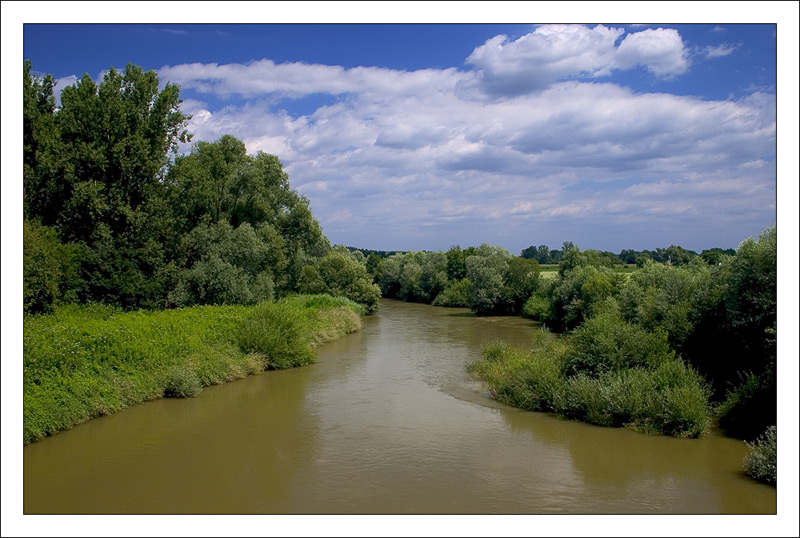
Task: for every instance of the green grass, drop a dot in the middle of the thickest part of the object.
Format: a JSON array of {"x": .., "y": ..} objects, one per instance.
[{"x": 81, "y": 362}]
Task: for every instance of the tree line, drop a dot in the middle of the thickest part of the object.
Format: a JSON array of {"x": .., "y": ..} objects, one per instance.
[
  {"x": 673, "y": 255},
  {"x": 113, "y": 214}
]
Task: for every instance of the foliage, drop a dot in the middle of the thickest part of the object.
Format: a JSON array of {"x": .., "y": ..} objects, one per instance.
[
  {"x": 501, "y": 283},
  {"x": 574, "y": 295},
  {"x": 734, "y": 338},
  {"x": 749, "y": 406},
  {"x": 94, "y": 170},
  {"x": 50, "y": 269},
  {"x": 761, "y": 462},
  {"x": 537, "y": 307},
  {"x": 457, "y": 262},
  {"x": 226, "y": 265},
  {"x": 84, "y": 361},
  {"x": 150, "y": 226},
  {"x": 279, "y": 333},
  {"x": 669, "y": 398},
  {"x": 414, "y": 276},
  {"x": 606, "y": 342},
  {"x": 486, "y": 270},
  {"x": 218, "y": 183},
  {"x": 455, "y": 294},
  {"x": 338, "y": 273},
  {"x": 666, "y": 297},
  {"x": 182, "y": 382}
]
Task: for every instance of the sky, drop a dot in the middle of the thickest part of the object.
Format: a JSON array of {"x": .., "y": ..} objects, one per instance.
[{"x": 424, "y": 136}]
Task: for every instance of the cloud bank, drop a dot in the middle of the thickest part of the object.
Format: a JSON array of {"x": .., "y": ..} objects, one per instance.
[{"x": 533, "y": 142}]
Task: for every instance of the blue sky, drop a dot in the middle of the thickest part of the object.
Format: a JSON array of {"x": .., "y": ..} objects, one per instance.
[{"x": 422, "y": 136}]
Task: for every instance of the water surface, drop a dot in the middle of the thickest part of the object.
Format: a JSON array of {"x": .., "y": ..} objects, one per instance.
[{"x": 386, "y": 422}]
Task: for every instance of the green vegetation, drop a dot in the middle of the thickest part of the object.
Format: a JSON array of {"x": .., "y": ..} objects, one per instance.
[
  {"x": 114, "y": 215},
  {"x": 761, "y": 463},
  {"x": 86, "y": 361},
  {"x": 343, "y": 274},
  {"x": 665, "y": 347},
  {"x": 646, "y": 389},
  {"x": 487, "y": 279}
]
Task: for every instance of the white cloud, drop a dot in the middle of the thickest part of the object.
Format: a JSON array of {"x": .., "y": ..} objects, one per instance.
[
  {"x": 555, "y": 52},
  {"x": 660, "y": 50},
  {"x": 719, "y": 51},
  {"x": 412, "y": 160}
]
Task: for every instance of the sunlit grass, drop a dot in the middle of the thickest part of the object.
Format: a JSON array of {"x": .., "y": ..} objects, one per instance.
[{"x": 81, "y": 362}]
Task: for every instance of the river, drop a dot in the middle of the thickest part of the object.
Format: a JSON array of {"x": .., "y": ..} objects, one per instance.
[{"x": 386, "y": 422}]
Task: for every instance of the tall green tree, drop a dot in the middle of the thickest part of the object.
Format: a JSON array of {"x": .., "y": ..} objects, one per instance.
[
  {"x": 95, "y": 169},
  {"x": 219, "y": 182}
]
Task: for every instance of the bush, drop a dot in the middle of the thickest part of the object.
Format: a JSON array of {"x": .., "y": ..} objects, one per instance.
[
  {"x": 455, "y": 294},
  {"x": 750, "y": 407},
  {"x": 606, "y": 342},
  {"x": 577, "y": 291},
  {"x": 339, "y": 274},
  {"x": 225, "y": 265},
  {"x": 666, "y": 297},
  {"x": 280, "y": 333},
  {"x": 182, "y": 382},
  {"x": 520, "y": 378},
  {"x": 50, "y": 268},
  {"x": 761, "y": 463},
  {"x": 536, "y": 307},
  {"x": 669, "y": 398},
  {"x": 81, "y": 362}
]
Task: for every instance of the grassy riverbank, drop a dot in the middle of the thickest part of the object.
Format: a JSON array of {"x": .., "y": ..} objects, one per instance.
[{"x": 82, "y": 362}]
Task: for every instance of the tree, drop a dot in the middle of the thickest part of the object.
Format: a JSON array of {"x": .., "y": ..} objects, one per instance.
[
  {"x": 94, "y": 170},
  {"x": 221, "y": 264},
  {"x": 219, "y": 182},
  {"x": 486, "y": 270},
  {"x": 339, "y": 274},
  {"x": 50, "y": 268}
]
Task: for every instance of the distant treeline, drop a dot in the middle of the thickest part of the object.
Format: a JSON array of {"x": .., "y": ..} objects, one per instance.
[{"x": 673, "y": 255}]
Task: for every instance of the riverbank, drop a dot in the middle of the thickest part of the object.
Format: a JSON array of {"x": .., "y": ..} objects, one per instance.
[{"x": 81, "y": 362}]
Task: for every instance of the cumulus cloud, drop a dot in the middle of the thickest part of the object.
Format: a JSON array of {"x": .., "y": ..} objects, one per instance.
[
  {"x": 555, "y": 52},
  {"x": 409, "y": 159}
]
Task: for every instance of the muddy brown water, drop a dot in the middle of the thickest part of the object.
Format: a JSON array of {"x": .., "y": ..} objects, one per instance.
[{"x": 386, "y": 422}]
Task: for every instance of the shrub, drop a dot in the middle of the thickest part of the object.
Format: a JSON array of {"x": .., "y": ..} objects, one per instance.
[
  {"x": 182, "y": 382},
  {"x": 577, "y": 291},
  {"x": 50, "y": 268},
  {"x": 84, "y": 361},
  {"x": 455, "y": 294},
  {"x": 669, "y": 398},
  {"x": 339, "y": 274},
  {"x": 606, "y": 342},
  {"x": 750, "y": 407},
  {"x": 761, "y": 462},
  {"x": 280, "y": 333},
  {"x": 536, "y": 307}
]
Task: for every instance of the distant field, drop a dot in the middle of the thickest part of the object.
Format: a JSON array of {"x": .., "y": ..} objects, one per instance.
[{"x": 550, "y": 270}]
